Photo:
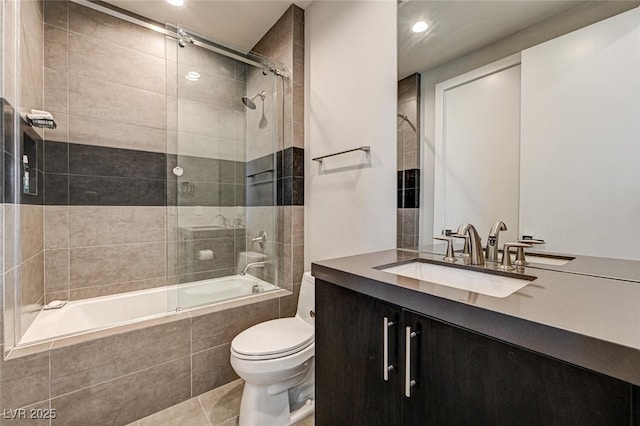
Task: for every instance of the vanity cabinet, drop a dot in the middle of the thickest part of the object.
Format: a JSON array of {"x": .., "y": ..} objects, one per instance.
[{"x": 460, "y": 377}]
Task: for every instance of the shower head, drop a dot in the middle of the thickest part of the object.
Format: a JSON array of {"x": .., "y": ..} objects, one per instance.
[{"x": 248, "y": 101}]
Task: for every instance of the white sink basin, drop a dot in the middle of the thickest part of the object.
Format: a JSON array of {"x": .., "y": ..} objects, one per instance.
[{"x": 463, "y": 279}]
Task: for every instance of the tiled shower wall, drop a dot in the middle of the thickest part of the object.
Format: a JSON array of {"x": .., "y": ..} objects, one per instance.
[
  {"x": 408, "y": 162},
  {"x": 285, "y": 43}
]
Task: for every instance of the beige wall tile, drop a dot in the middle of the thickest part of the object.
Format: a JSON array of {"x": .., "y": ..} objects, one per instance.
[
  {"x": 87, "y": 364},
  {"x": 289, "y": 304},
  {"x": 31, "y": 230},
  {"x": 99, "y": 99},
  {"x": 102, "y": 26},
  {"x": 297, "y": 261},
  {"x": 56, "y": 227},
  {"x": 298, "y": 25},
  {"x": 24, "y": 380},
  {"x": 298, "y": 64},
  {"x": 126, "y": 398},
  {"x": 56, "y": 270},
  {"x": 11, "y": 281},
  {"x": 61, "y": 132},
  {"x": 11, "y": 252},
  {"x": 56, "y": 91},
  {"x": 205, "y": 119},
  {"x": 55, "y": 13},
  {"x": 213, "y": 89},
  {"x": 94, "y": 131},
  {"x": 31, "y": 97},
  {"x": 287, "y": 266},
  {"x": 109, "y": 225},
  {"x": 56, "y": 48},
  {"x": 408, "y": 88},
  {"x": 102, "y": 60},
  {"x": 9, "y": 57},
  {"x": 108, "y": 289},
  {"x": 298, "y": 103},
  {"x": 219, "y": 328},
  {"x": 297, "y": 233},
  {"x": 31, "y": 48},
  {"x": 93, "y": 266},
  {"x": 211, "y": 369},
  {"x": 32, "y": 290}
]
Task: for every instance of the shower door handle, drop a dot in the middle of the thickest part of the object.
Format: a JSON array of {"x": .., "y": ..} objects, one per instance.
[{"x": 385, "y": 355}]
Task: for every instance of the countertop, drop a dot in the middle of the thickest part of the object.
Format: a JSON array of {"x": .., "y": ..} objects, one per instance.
[{"x": 580, "y": 318}]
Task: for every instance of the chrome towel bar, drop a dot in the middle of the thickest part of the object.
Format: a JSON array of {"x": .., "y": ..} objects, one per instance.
[{"x": 362, "y": 148}]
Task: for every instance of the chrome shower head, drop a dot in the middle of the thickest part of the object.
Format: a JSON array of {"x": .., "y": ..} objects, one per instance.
[{"x": 248, "y": 101}]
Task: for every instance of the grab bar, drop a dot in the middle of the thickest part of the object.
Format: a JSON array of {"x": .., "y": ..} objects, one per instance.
[{"x": 365, "y": 148}]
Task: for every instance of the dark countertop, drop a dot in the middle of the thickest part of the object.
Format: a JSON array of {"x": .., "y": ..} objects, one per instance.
[{"x": 589, "y": 321}]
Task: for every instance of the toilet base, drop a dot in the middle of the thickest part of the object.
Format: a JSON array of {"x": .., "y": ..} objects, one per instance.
[{"x": 271, "y": 405}]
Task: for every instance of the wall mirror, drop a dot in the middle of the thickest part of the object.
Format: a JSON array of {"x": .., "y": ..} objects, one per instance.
[{"x": 529, "y": 115}]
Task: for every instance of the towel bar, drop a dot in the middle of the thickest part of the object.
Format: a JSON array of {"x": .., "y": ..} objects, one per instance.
[{"x": 365, "y": 148}]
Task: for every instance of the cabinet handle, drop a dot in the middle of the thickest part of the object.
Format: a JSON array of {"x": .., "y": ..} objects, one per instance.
[
  {"x": 386, "y": 366},
  {"x": 408, "y": 382}
]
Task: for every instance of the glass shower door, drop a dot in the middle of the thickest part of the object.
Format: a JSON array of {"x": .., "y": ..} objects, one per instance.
[{"x": 221, "y": 196}]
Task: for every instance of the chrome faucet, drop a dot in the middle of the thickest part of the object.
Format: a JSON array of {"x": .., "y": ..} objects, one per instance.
[
  {"x": 477, "y": 256},
  {"x": 253, "y": 265},
  {"x": 492, "y": 241}
]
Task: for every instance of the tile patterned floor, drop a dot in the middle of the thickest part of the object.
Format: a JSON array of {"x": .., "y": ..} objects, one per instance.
[{"x": 219, "y": 407}]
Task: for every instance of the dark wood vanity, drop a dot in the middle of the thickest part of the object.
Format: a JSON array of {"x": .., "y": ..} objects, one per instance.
[{"x": 453, "y": 362}]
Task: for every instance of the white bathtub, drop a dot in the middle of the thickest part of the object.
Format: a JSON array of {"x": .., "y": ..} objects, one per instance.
[{"x": 107, "y": 311}]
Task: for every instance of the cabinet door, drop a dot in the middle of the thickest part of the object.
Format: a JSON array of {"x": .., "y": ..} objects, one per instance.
[
  {"x": 350, "y": 385},
  {"x": 463, "y": 378}
]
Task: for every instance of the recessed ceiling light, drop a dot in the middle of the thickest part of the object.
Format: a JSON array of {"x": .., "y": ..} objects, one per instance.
[
  {"x": 419, "y": 27},
  {"x": 192, "y": 76},
  {"x": 176, "y": 3}
]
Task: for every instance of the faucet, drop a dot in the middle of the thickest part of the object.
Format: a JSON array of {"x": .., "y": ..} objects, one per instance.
[
  {"x": 492, "y": 241},
  {"x": 253, "y": 265},
  {"x": 477, "y": 257}
]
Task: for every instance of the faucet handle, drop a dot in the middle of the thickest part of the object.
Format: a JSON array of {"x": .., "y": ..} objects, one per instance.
[
  {"x": 450, "y": 257},
  {"x": 506, "y": 264},
  {"x": 465, "y": 251},
  {"x": 520, "y": 255}
]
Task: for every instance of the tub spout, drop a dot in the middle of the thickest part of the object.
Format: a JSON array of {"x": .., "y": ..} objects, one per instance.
[{"x": 253, "y": 265}]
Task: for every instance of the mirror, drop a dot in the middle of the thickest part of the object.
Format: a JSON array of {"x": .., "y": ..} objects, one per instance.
[{"x": 577, "y": 184}]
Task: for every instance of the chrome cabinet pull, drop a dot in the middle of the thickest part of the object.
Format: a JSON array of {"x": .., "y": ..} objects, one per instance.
[
  {"x": 385, "y": 355},
  {"x": 408, "y": 382}
]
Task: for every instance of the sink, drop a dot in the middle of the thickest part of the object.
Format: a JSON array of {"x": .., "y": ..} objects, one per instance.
[{"x": 463, "y": 279}]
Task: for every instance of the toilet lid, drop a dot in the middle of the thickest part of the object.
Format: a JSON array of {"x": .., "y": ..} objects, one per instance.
[{"x": 273, "y": 339}]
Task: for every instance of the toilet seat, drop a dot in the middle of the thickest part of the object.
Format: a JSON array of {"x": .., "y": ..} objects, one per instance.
[{"x": 273, "y": 339}]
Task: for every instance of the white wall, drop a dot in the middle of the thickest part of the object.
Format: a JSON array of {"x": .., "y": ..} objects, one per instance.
[{"x": 350, "y": 100}]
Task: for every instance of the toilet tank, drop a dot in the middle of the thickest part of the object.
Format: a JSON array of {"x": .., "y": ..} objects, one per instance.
[{"x": 306, "y": 299}]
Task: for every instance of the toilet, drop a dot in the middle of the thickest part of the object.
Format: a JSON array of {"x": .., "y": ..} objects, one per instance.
[{"x": 276, "y": 361}]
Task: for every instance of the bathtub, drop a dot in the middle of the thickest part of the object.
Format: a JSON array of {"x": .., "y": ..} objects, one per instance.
[{"x": 86, "y": 315}]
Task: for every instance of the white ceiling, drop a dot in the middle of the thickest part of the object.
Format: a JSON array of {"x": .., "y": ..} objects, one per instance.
[
  {"x": 237, "y": 23},
  {"x": 460, "y": 27},
  {"x": 457, "y": 27}
]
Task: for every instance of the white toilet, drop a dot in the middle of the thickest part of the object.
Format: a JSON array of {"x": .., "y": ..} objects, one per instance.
[{"x": 276, "y": 360}]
